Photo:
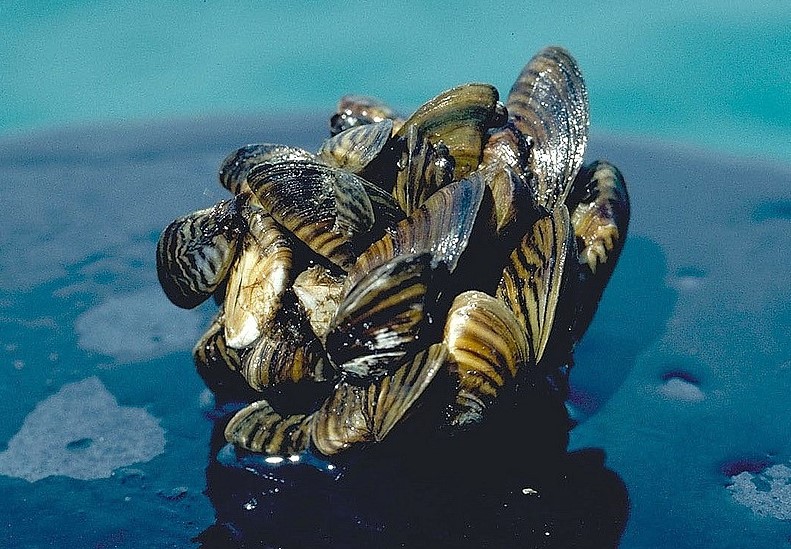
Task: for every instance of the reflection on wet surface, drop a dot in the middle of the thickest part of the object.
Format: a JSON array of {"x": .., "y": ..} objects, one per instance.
[{"x": 511, "y": 498}]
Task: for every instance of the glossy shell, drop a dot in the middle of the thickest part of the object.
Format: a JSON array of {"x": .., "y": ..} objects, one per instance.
[{"x": 423, "y": 276}]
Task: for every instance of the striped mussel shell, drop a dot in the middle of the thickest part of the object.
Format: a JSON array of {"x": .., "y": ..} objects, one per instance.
[
  {"x": 381, "y": 319},
  {"x": 352, "y": 415},
  {"x": 258, "y": 427},
  {"x": 548, "y": 104},
  {"x": 486, "y": 348},
  {"x": 332, "y": 211},
  {"x": 427, "y": 168},
  {"x": 288, "y": 352},
  {"x": 220, "y": 365},
  {"x": 460, "y": 118},
  {"x": 212, "y": 352},
  {"x": 504, "y": 168},
  {"x": 535, "y": 275},
  {"x": 600, "y": 215},
  {"x": 355, "y": 148},
  {"x": 442, "y": 226},
  {"x": 195, "y": 252},
  {"x": 236, "y": 166},
  {"x": 366, "y": 413}
]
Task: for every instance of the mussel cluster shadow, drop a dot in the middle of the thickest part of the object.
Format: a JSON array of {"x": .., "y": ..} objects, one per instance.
[{"x": 520, "y": 488}]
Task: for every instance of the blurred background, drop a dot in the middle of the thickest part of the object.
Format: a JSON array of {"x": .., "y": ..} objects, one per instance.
[{"x": 701, "y": 73}]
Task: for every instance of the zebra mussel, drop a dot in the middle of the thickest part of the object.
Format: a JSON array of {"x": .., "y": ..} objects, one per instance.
[{"x": 433, "y": 266}]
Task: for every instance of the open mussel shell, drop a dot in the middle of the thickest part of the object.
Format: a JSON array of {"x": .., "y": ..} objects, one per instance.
[
  {"x": 320, "y": 293},
  {"x": 358, "y": 110},
  {"x": 328, "y": 209},
  {"x": 286, "y": 353},
  {"x": 460, "y": 118},
  {"x": 360, "y": 414},
  {"x": 486, "y": 347},
  {"x": 236, "y": 166},
  {"x": 258, "y": 280},
  {"x": 549, "y": 104},
  {"x": 600, "y": 212},
  {"x": 355, "y": 148},
  {"x": 195, "y": 253},
  {"x": 536, "y": 272},
  {"x": 379, "y": 321},
  {"x": 259, "y": 428}
]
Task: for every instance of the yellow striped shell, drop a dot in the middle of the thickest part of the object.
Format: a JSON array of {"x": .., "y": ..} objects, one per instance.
[{"x": 486, "y": 347}]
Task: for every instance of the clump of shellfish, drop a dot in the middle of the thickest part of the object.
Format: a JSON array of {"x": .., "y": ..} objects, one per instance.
[{"x": 464, "y": 247}]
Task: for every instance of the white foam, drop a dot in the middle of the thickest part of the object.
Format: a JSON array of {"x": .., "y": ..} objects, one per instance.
[
  {"x": 767, "y": 493},
  {"x": 138, "y": 326},
  {"x": 81, "y": 432},
  {"x": 679, "y": 389}
]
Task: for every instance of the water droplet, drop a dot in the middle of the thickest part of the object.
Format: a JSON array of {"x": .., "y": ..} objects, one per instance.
[{"x": 250, "y": 505}]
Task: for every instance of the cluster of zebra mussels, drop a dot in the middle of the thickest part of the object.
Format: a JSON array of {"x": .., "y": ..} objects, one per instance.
[{"x": 416, "y": 271}]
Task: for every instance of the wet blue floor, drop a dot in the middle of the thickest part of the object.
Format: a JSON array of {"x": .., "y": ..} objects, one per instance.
[{"x": 682, "y": 380}]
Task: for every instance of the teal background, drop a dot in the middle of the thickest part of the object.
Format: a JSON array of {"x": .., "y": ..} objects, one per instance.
[{"x": 711, "y": 73}]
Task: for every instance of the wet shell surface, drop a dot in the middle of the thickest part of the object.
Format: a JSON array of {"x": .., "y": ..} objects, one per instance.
[{"x": 422, "y": 275}]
